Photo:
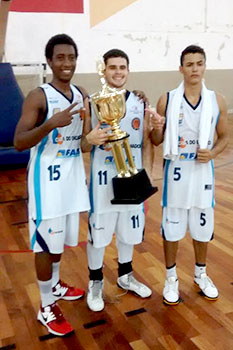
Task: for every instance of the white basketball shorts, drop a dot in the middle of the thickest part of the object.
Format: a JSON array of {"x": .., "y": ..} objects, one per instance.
[
  {"x": 128, "y": 227},
  {"x": 199, "y": 222},
  {"x": 53, "y": 234}
]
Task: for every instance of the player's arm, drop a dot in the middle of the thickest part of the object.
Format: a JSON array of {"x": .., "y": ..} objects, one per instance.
[
  {"x": 32, "y": 128},
  {"x": 204, "y": 155},
  {"x": 95, "y": 136},
  {"x": 158, "y": 121}
]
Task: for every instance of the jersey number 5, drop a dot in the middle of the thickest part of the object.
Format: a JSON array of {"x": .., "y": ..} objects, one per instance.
[{"x": 177, "y": 174}]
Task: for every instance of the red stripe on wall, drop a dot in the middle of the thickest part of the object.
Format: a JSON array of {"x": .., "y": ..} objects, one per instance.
[{"x": 67, "y": 6}]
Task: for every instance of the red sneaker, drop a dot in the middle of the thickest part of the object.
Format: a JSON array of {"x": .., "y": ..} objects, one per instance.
[
  {"x": 52, "y": 318},
  {"x": 65, "y": 292}
]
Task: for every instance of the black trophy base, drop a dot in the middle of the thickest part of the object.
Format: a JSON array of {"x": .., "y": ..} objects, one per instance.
[{"x": 132, "y": 190}]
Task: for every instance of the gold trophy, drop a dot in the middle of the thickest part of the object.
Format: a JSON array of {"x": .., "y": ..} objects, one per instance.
[{"x": 130, "y": 186}]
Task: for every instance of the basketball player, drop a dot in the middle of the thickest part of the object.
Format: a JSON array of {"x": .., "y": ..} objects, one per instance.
[
  {"x": 53, "y": 125},
  {"x": 127, "y": 221},
  {"x": 193, "y": 114}
]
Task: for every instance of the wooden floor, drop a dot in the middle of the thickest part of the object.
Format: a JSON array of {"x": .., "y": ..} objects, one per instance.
[{"x": 127, "y": 322}]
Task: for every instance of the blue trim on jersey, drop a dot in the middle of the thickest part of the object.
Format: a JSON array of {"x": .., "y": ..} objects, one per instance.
[
  {"x": 193, "y": 107},
  {"x": 40, "y": 240},
  {"x": 37, "y": 181},
  {"x": 167, "y": 163},
  {"x": 60, "y": 92},
  {"x": 91, "y": 181},
  {"x": 213, "y": 192},
  {"x": 33, "y": 240},
  {"x": 217, "y": 119}
]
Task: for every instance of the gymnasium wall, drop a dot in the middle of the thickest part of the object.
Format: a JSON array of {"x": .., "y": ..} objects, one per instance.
[{"x": 152, "y": 32}]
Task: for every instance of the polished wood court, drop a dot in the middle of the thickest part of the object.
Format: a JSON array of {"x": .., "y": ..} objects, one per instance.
[{"x": 127, "y": 321}]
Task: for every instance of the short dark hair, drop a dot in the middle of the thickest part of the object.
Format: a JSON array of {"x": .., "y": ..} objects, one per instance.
[
  {"x": 115, "y": 53},
  {"x": 191, "y": 49},
  {"x": 58, "y": 40}
]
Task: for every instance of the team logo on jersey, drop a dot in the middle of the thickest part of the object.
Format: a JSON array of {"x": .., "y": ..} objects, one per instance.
[
  {"x": 181, "y": 142},
  {"x": 68, "y": 153},
  {"x": 57, "y": 137},
  {"x": 188, "y": 156},
  {"x": 136, "y": 145},
  {"x": 52, "y": 232},
  {"x": 109, "y": 160},
  {"x": 97, "y": 228},
  {"x": 171, "y": 221},
  {"x": 135, "y": 123},
  {"x": 134, "y": 110},
  {"x": 181, "y": 119},
  {"x": 53, "y": 101}
]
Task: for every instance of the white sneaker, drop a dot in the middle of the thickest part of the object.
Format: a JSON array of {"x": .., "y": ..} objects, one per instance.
[
  {"x": 94, "y": 296},
  {"x": 129, "y": 282},
  {"x": 206, "y": 286},
  {"x": 171, "y": 292}
]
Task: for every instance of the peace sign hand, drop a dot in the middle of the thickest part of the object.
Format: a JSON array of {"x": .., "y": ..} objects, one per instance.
[{"x": 65, "y": 117}]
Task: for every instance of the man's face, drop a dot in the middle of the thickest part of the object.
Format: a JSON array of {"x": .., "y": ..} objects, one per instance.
[
  {"x": 116, "y": 72},
  {"x": 193, "y": 68},
  {"x": 63, "y": 62}
]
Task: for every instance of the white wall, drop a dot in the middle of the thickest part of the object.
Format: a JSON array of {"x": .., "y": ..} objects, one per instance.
[{"x": 152, "y": 32}]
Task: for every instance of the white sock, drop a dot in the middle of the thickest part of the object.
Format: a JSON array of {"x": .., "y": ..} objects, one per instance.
[
  {"x": 171, "y": 272},
  {"x": 55, "y": 273},
  {"x": 46, "y": 294},
  {"x": 199, "y": 270},
  {"x": 95, "y": 257},
  {"x": 125, "y": 252}
]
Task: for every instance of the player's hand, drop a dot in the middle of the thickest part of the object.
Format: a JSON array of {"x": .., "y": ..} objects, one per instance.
[
  {"x": 65, "y": 117},
  {"x": 204, "y": 155},
  {"x": 156, "y": 120},
  {"x": 98, "y": 136},
  {"x": 141, "y": 96}
]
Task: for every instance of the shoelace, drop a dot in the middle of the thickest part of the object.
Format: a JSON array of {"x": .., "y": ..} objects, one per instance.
[
  {"x": 54, "y": 314},
  {"x": 96, "y": 288},
  {"x": 62, "y": 287}
]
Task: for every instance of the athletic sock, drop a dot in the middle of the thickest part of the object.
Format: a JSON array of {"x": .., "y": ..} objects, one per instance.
[
  {"x": 55, "y": 273},
  {"x": 199, "y": 269},
  {"x": 171, "y": 271},
  {"x": 96, "y": 275},
  {"x": 46, "y": 293},
  {"x": 124, "y": 268}
]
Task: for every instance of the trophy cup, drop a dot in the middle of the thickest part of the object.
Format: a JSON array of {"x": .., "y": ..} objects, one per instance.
[{"x": 130, "y": 186}]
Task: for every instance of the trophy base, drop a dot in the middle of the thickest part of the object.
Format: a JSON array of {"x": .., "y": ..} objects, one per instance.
[{"x": 132, "y": 190}]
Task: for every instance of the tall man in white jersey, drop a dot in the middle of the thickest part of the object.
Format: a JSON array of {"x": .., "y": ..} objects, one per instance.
[
  {"x": 127, "y": 221},
  {"x": 192, "y": 116},
  {"x": 53, "y": 124}
]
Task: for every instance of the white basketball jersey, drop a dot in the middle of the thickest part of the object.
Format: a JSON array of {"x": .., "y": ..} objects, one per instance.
[
  {"x": 56, "y": 179},
  {"x": 187, "y": 182},
  {"x": 103, "y": 167}
]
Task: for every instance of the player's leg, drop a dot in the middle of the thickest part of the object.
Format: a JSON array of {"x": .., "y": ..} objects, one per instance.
[
  {"x": 47, "y": 249},
  {"x": 173, "y": 229},
  {"x": 201, "y": 229},
  {"x": 129, "y": 231},
  {"x": 62, "y": 290},
  {"x": 101, "y": 229}
]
